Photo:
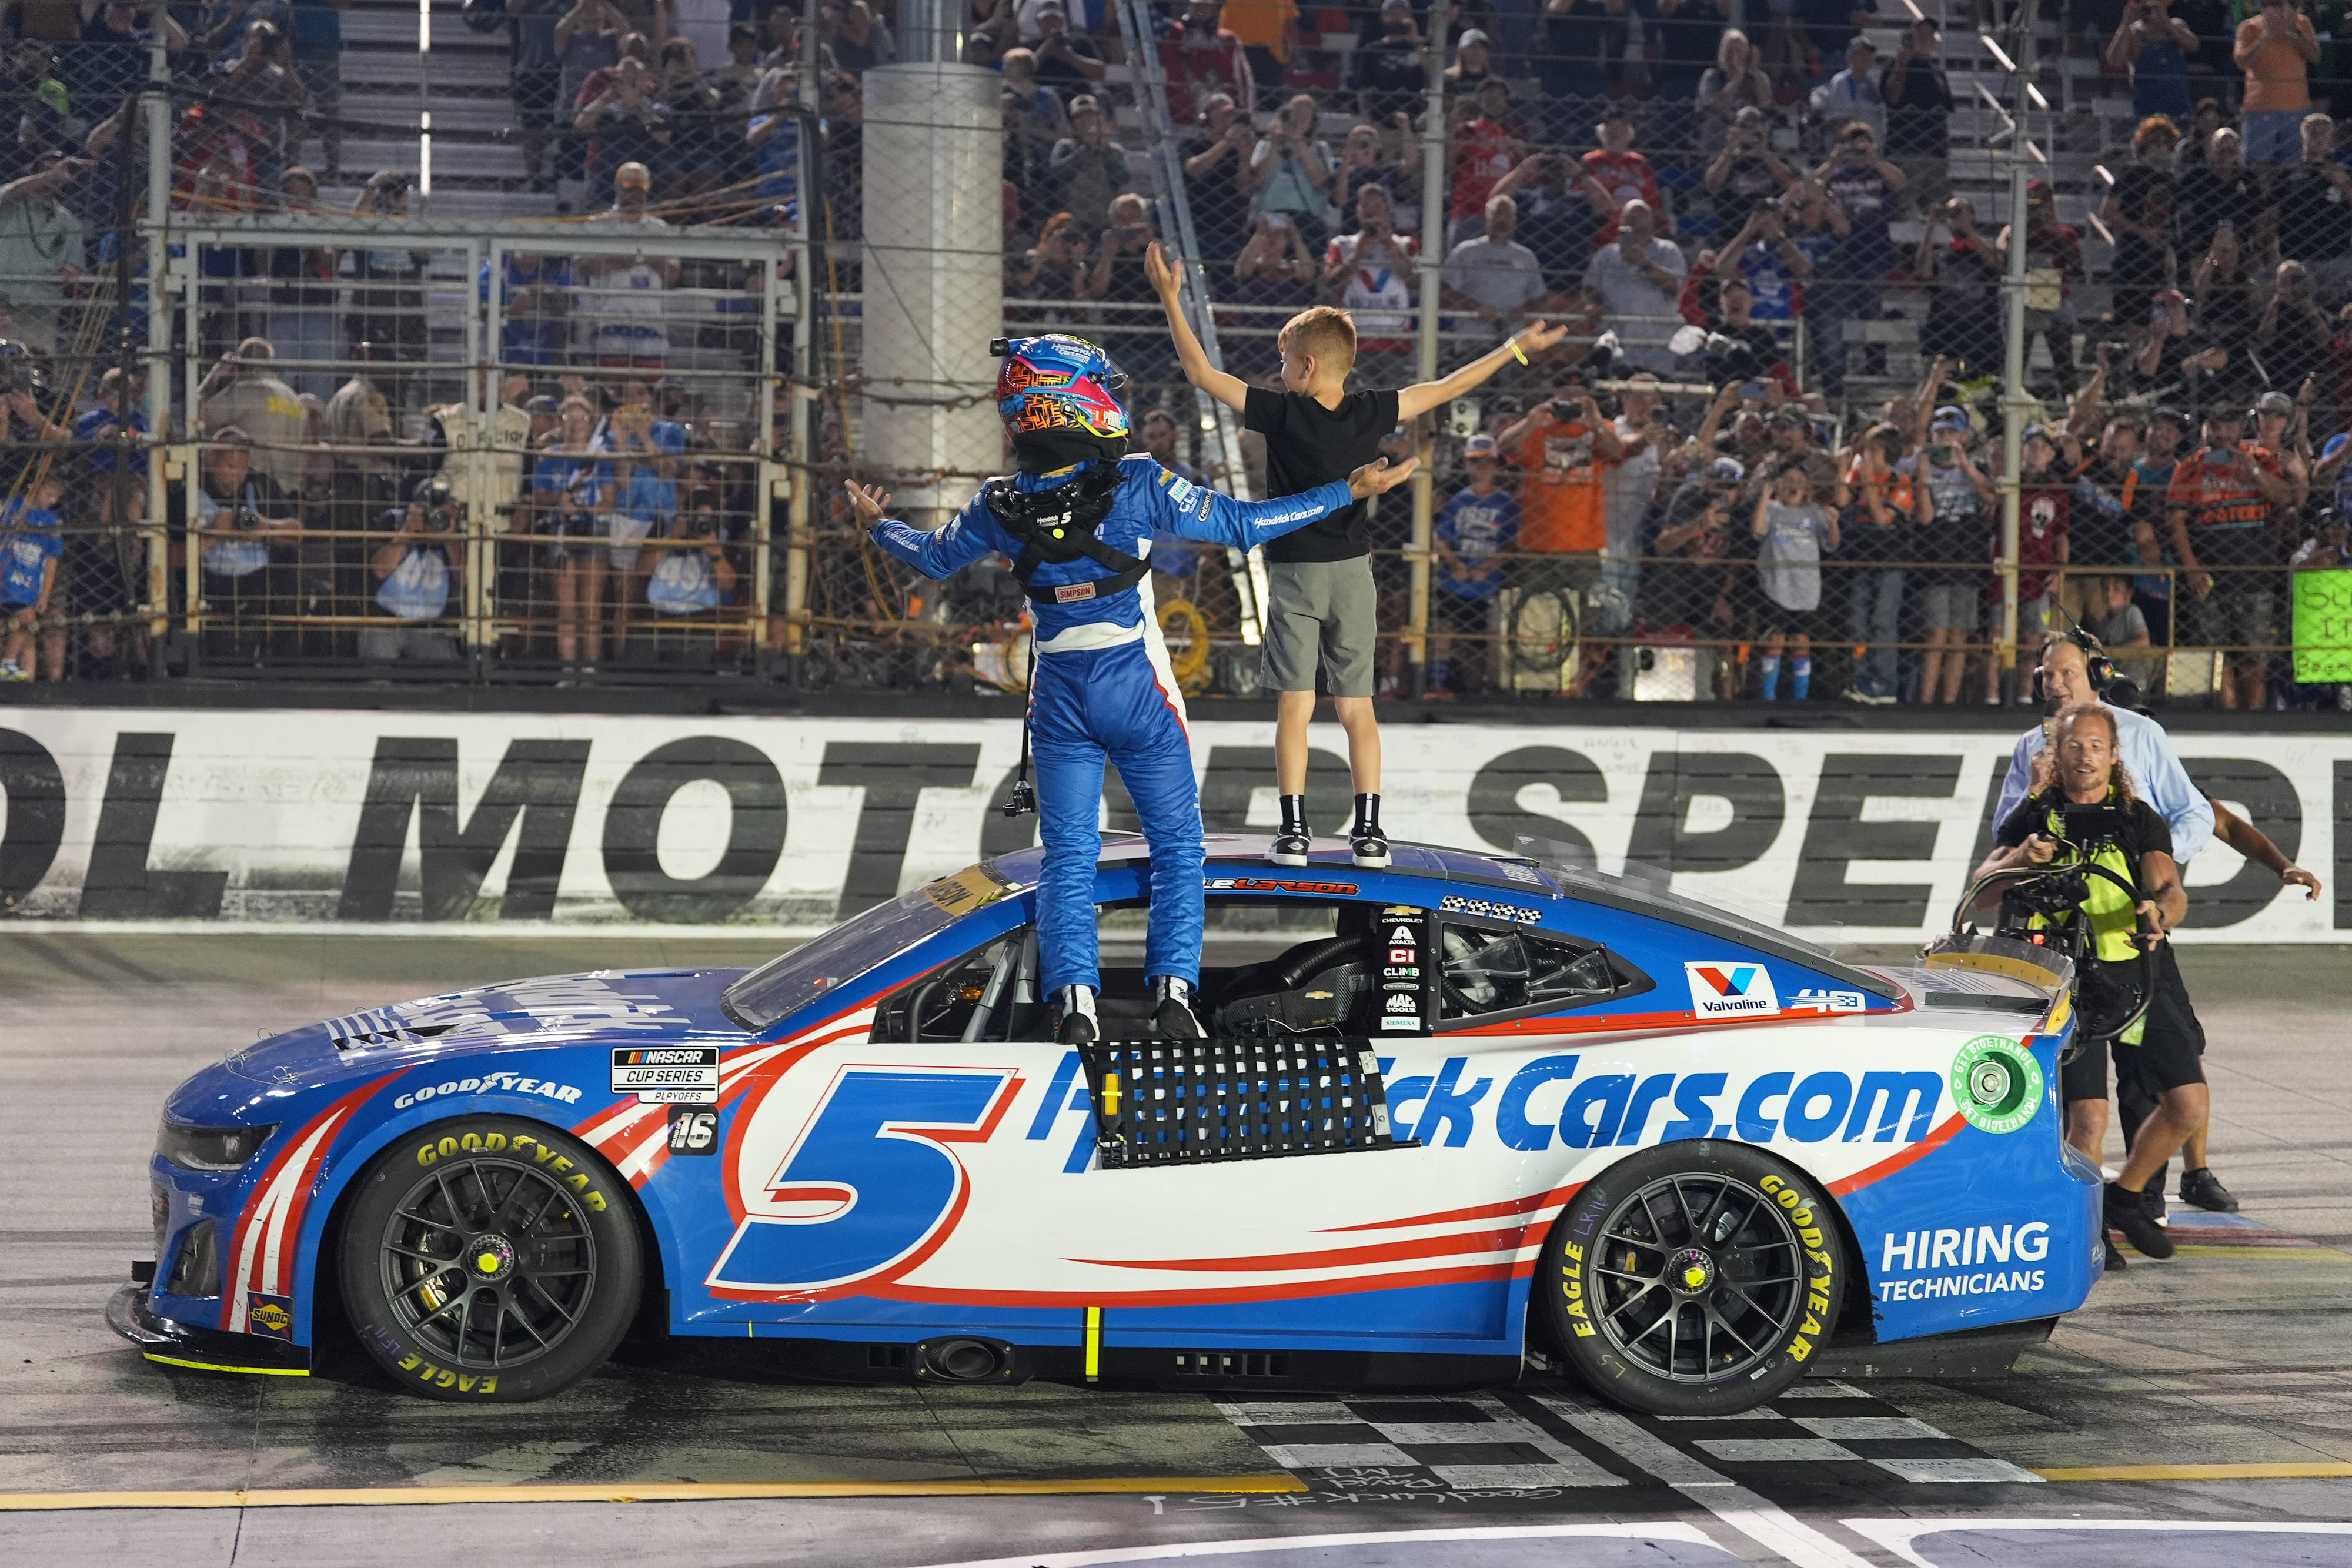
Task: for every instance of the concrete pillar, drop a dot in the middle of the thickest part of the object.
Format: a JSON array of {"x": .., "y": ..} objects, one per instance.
[{"x": 934, "y": 255}]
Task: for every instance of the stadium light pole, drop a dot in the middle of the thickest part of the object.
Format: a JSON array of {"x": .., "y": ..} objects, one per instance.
[{"x": 1431, "y": 268}]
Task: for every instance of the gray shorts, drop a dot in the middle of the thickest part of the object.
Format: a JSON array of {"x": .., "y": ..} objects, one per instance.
[
  {"x": 1952, "y": 606},
  {"x": 1325, "y": 608}
]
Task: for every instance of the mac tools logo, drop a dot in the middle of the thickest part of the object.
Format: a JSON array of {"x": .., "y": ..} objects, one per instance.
[{"x": 1731, "y": 990}]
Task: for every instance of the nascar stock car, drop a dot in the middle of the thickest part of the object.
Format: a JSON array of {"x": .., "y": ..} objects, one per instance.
[{"x": 1459, "y": 1117}]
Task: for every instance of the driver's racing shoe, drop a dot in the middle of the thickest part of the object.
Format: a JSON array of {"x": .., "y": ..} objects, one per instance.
[
  {"x": 2203, "y": 1188},
  {"x": 1078, "y": 1025},
  {"x": 2115, "y": 1260},
  {"x": 1171, "y": 1011},
  {"x": 2127, "y": 1212}
]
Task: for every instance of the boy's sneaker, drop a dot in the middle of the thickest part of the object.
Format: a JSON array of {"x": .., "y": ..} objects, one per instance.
[
  {"x": 9, "y": 672},
  {"x": 1371, "y": 850},
  {"x": 1290, "y": 849},
  {"x": 2127, "y": 1212}
]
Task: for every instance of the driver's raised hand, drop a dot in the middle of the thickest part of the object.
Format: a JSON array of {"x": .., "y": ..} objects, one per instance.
[{"x": 1377, "y": 478}]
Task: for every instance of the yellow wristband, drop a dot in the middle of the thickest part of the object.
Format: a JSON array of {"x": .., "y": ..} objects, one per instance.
[{"x": 1516, "y": 352}]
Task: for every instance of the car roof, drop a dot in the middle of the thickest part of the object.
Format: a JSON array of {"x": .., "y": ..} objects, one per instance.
[{"x": 1635, "y": 894}]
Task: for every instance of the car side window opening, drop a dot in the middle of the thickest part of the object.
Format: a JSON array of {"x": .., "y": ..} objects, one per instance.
[
  {"x": 989, "y": 994},
  {"x": 1487, "y": 970}
]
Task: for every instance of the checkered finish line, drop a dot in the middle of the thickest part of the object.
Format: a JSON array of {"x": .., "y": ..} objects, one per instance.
[{"x": 1827, "y": 1432}]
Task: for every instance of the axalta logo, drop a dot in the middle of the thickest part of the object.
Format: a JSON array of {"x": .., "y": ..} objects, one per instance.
[
  {"x": 491, "y": 1083},
  {"x": 1731, "y": 990},
  {"x": 1955, "y": 1261}
]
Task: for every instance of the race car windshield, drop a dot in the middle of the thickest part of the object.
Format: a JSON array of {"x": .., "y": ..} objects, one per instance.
[{"x": 787, "y": 983}]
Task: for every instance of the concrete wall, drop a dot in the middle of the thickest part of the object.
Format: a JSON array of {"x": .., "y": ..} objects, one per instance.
[{"x": 371, "y": 819}]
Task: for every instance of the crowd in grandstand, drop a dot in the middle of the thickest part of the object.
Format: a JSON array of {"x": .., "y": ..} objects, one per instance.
[{"x": 1767, "y": 208}]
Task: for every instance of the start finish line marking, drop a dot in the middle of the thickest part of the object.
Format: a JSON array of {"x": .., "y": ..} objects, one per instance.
[{"x": 661, "y": 1491}]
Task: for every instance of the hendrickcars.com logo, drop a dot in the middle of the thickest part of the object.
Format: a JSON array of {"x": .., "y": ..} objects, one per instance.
[{"x": 1731, "y": 990}]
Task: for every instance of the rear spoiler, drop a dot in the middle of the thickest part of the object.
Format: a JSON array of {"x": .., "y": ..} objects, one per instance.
[{"x": 2038, "y": 966}]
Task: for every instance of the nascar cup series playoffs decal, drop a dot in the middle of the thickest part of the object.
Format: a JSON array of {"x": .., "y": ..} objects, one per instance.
[
  {"x": 667, "y": 1075},
  {"x": 1731, "y": 990},
  {"x": 1996, "y": 1084}
]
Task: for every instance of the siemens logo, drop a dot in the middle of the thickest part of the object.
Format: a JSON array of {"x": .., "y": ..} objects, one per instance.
[{"x": 1545, "y": 1100}]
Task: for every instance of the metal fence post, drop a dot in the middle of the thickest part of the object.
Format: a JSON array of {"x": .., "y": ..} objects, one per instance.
[
  {"x": 1432, "y": 266},
  {"x": 2013, "y": 400}
]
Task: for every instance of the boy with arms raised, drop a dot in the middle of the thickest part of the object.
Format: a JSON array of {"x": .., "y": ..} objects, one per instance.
[{"x": 1321, "y": 604}]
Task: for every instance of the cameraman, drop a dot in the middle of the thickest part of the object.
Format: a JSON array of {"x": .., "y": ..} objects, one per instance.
[
  {"x": 416, "y": 571},
  {"x": 2134, "y": 843}
]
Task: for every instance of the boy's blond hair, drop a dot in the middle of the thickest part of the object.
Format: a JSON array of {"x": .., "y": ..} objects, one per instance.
[{"x": 1325, "y": 331}]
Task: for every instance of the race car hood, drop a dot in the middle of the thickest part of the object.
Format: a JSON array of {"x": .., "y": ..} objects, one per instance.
[{"x": 624, "y": 1006}]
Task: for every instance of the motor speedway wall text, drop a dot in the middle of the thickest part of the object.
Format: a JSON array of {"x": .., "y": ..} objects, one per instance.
[{"x": 355, "y": 817}]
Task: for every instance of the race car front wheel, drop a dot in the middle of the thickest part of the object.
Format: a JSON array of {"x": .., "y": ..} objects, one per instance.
[
  {"x": 1694, "y": 1278},
  {"x": 489, "y": 1258}
]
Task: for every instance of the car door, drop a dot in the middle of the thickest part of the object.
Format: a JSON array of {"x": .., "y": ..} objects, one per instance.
[{"x": 939, "y": 1167}]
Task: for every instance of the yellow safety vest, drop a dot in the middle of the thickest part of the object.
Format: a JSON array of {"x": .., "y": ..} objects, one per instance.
[{"x": 2114, "y": 918}]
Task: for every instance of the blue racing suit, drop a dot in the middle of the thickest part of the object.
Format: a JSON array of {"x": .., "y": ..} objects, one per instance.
[{"x": 1103, "y": 689}]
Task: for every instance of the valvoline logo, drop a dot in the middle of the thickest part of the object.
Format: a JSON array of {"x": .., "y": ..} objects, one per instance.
[{"x": 1731, "y": 990}]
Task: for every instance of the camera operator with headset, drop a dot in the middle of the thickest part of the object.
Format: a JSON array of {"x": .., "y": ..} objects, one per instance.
[
  {"x": 2074, "y": 669},
  {"x": 2091, "y": 813}
]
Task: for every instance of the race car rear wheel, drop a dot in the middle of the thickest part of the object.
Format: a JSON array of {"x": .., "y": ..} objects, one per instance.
[
  {"x": 1693, "y": 1279},
  {"x": 489, "y": 1258}
]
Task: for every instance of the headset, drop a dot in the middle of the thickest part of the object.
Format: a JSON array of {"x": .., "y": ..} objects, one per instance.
[{"x": 2096, "y": 663}]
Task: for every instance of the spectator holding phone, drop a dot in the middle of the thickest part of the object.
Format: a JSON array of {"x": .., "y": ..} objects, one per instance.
[
  {"x": 1952, "y": 503},
  {"x": 1290, "y": 171},
  {"x": 1479, "y": 526},
  {"x": 2276, "y": 48},
  {"x": 2152, "y": 47},
  {"x": 1792, "y": 533}
]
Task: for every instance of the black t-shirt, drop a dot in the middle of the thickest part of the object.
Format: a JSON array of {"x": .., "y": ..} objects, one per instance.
[
  {"x": 2315, "y": 216},
  {"x": 2145, "y": 194},
  {"x": 2144, "y": 832},
  {"x": 1687, "y": 41},
  {"x": 2209, "y": 198},
  {"x": 1307, "y": 445},
  {"x": 1917, "y": 127}
]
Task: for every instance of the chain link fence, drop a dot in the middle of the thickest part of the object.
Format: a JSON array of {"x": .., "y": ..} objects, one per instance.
[{"x": 644, "y": 430}]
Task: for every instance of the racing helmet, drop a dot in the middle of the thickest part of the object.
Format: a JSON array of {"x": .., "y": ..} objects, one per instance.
[{"x": 1060, "y": 382}]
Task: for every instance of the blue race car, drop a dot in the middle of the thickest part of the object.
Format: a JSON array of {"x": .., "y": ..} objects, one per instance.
[{"x": 1461, "y": 1116}]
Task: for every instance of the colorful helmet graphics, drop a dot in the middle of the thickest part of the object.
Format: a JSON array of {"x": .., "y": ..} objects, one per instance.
[{"x": 1060, "y": 382}]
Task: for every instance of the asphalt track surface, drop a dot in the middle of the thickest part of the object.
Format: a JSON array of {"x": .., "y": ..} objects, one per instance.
[{"x": 2198, "y": 1411}]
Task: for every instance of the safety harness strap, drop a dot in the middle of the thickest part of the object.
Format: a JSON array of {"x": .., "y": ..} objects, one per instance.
[{"x": 1056, "y": 527}]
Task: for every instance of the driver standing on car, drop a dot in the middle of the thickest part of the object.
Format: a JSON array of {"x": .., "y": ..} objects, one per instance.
[
  {"x": 1076, "y": 522},
  {"x": 2088, "y": 772}
]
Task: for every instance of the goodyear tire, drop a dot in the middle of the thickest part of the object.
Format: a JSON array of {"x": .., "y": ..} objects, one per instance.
[
  {"x": 1694, "y": 1278},
  {"x": 489, "y": 1258}
]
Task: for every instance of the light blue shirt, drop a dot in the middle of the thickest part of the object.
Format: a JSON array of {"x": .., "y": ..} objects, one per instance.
[{"x": 2155, "y": 771}]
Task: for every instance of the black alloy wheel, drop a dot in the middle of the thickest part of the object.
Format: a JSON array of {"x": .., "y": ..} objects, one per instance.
[
  {"x": 1694, "y": 1278},
  {"x": 490, "y": 1258}
]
